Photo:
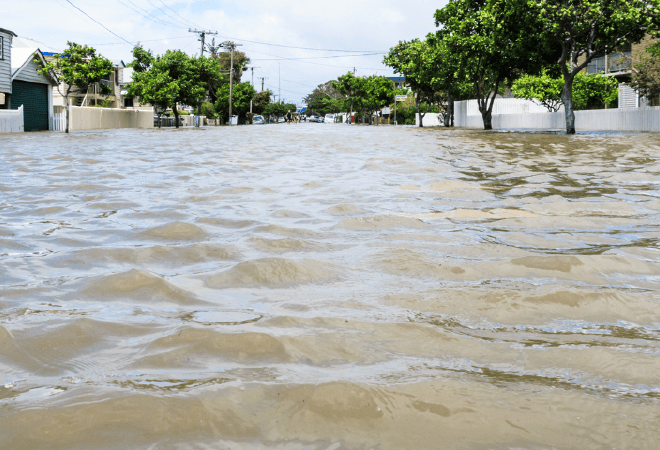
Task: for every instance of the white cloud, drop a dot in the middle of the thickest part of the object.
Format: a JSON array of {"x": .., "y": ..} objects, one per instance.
[{"x": 337, "y": 24}]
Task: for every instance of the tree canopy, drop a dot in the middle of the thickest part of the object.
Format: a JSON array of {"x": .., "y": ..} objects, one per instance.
[
  {"x": 589, "y": 28},
  {"x": 77, "y": 66},
  {"x": 242, "y": 94},
  {"x": 172, "y": 79},
  {"x": 646, "y": 78},
  {"x": 492, "y": 41}
]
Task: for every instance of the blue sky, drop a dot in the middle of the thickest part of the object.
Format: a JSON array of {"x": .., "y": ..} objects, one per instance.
[{"x": 268, "y": 29}]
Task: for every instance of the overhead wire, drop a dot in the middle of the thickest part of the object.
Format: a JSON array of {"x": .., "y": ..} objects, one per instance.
[
  {"x": 167, "y": 15},
  {"x": 193, "y": 24},
  {"x": 109, "y": 30},
  {"x": 148, "y": 15}
]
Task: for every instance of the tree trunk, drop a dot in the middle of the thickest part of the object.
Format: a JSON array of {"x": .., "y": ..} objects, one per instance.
[
  {"x": 66, "y": 113},
  {"x": 418, "y": 105},
  {"x": 486, "y": 108},
  {"x": 487, "y": 117},
  {"x": 449, "y": 112},
  {"x": 176, "y": 116},
  {"x": 567, "y": 99}
]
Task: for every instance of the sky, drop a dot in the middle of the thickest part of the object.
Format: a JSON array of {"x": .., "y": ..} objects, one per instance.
[{"x": 295, "y": 45}]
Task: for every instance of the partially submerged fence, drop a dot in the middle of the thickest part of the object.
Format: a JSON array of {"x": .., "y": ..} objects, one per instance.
[
  {"x": 617, "y": 119},
  {"x": 11, "y": 120},
  {"x": 90, "y": 118}
]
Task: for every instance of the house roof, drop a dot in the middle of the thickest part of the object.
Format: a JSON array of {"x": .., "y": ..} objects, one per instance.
[
  {"x": 3, "y": 30},
  {"x": 397, "y": 78},
  {"x": 23, "y": 42},
  {"x": 21, "y": 58}
]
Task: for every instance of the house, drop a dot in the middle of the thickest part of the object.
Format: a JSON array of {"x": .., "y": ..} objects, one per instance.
[
  {"x": 620, "y": 64},
  {"x": 31, "y": 89},
  {"x": 6, "y": 38}
]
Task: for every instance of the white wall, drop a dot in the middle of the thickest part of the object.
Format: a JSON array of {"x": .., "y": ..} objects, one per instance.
[
  {"x": 88, "y": 118},
  {"x": 429, "y": 120},
  {"x": 622, "y": 119},
  {"x": 11, "y": 120}
]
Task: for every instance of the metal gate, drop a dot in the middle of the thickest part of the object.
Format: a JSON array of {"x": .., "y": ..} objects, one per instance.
[{"x": 34, "y": 98}]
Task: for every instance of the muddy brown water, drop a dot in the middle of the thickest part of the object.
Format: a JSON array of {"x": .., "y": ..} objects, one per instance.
[{"x": 329, "y": 287}]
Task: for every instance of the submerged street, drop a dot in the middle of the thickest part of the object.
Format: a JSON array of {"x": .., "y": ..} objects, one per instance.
[{"x": 323, "y": 286}]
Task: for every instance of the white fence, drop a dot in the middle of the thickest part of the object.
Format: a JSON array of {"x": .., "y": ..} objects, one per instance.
[
  {"x": 56, "y": 122},
  {"x": 11, "y": 120},
  {"x": 507, "y": 106},
  {"x": 90, "y": 118},
  {"x": 621, "y": 119}
]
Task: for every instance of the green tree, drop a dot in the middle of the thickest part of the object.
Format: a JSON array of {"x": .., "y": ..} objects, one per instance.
[
  {"x": 542, "y": 89},
  {"x": 260, "y": 101},
  {"x": 588, "y": 90},
  {"x": 169, "y": 80},
  {"x": 585, "y": 29},
  {"x": 493, "y": 41},
  {"x": 354, "y": 91},
  {"x": 326, "y": 89},
  {"x": 379, "y": 93},
  {"x": 417, "y": 61},
  {"x": 242, "y": 94},
  {"x": 323, "y": 104},
  {"x": 77, "y": 66},
  {"x": 646, "y": 76}
]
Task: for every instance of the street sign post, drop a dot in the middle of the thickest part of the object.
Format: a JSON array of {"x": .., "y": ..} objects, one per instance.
[{"x": 399, "y": 98}]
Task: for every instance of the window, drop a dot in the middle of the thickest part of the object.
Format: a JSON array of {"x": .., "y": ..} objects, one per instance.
[{"x": 2, "y": 47}]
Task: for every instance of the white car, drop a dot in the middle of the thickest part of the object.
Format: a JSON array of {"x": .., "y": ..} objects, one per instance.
[
  {"x": 313, "y": 119},
  {"x": 329, "y": 118},
  {"x": 258, "y": 120}
]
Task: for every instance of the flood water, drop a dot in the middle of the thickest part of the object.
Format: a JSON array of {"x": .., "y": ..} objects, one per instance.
[{"x": 329, "y": 287}]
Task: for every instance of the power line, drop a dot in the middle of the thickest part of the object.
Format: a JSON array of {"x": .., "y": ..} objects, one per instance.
[
  {"x": 152, "y": 18},
  {"x": 304, "y": 48},
  {"x": 320, "y": 57},
  {"x": 185, "y": 25},
  {"x": 197, "y": 26},
  {"x": 146, "y": 40},
  {"x": 112, "y": 32}
]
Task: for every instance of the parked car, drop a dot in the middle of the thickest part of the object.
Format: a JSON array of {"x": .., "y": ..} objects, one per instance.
[
  {"x": 258, "y": 120},
  {"x": 313, "y": 118},
  {"x": 329, "y": 118},
  {"x": 281, "y": 120}
]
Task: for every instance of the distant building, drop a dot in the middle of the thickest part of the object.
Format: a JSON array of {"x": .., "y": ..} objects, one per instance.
[
  {"x": 620, "y": 64},
  {"x": 30, "y": 89},
  {"x": 399, "y": 82},
  {"x": 6, "y": 38}
]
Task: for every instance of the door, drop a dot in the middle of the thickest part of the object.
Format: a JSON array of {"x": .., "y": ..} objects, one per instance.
[{"x": 34, "y": 98}]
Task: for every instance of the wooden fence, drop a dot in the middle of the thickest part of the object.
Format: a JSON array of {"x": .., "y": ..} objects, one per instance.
[{"x": 11, "y": 120}]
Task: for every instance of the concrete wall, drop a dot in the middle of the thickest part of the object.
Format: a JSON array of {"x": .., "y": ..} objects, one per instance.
[
  {"x": 622, "y": 119},
  {"x": 430, "y": 120},
  {"x": 88, "y": 118},
  {"x": 11, "y": 121}
]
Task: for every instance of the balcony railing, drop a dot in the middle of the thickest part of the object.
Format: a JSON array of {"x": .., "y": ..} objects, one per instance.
[
  {"x": 617, "y": 62},
  {"x": 620, "y": 62}
]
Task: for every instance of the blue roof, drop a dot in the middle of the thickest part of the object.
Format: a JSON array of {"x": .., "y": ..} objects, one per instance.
[{"x": 397, "y": 78}]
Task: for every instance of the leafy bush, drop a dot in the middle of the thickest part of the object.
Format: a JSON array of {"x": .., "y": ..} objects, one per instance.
[
  {"x": 208, "y": 110},
  {"x": 589, "y": 91}
]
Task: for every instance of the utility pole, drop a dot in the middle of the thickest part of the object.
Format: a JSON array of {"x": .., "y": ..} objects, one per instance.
[
  {"x": 252, "y": 70},
  {"x": 202, "y": 37},
  {"x": 279, "y": 81},
  {"x": 262, "y": 82},
  {"x": 231, "y": 46}
]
